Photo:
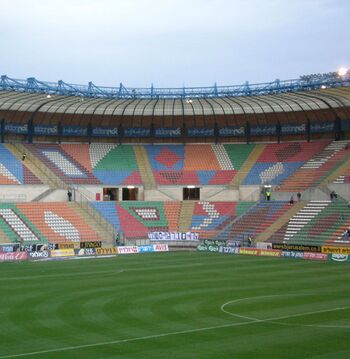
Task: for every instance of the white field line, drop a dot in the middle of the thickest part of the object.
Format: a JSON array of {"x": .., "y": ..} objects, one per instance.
[{"x": 162, "y": 335}]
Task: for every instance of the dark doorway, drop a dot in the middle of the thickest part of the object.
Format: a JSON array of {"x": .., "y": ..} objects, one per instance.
[
  {"x": 191, "y": 193},
  {"x": 130, "y": 194},
  {"x": 110, "y": 194}
]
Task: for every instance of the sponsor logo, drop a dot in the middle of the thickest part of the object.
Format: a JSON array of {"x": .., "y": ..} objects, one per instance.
[
  {"x": 270, "y": 253},
  {"x": 335, "y": 250},
  {"x": 143, "y": 249},
  {"x": 173, "y": 236},
  {"x": 339, "y": 257},
  {"x": 127, "y": 249},
  {"x": 229, "y": 250},
  {"x": 295, "y": 247},
  {"x": 292, "y": 254},
  {"x": 315, "y": 256},
  {"x": 160, "y": 247},
  {"x": 15, "y": 256},
  {"x": 85, "y": 252},
  {"x": 62, "y": 253},
  {"x": 66, "y": 245},
  {"x": 96, "y": 244},
  {"x": 42, "y": 254},
  {"x": 106, "y": 251},
  {"x": 249, "y": 251}
]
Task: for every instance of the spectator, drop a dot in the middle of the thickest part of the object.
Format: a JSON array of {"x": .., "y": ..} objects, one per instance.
[
  {"x": 69, "y": 194},
  {"x": 24, "y": 156},
  {"x": 299, "y": 196},
  {"x": 291, "y": 201},
  {"x": 250, "y": 241},
  {"x": 268, "y": 195}
]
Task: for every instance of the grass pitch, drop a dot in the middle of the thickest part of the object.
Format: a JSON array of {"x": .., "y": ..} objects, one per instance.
[{"x": 175, "y": 305}]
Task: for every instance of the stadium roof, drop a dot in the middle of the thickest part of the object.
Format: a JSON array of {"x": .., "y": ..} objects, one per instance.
[{"x": 282, "y": 102}]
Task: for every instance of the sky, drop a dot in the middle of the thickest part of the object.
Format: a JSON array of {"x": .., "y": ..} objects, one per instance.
[{"x": 172, "y": 43}]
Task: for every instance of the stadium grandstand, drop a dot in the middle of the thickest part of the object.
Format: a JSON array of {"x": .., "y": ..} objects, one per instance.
[{"x": 265, "y": 162}]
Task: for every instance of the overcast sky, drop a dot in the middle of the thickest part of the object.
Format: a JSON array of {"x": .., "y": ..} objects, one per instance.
[{"x": 172, "y": 42}]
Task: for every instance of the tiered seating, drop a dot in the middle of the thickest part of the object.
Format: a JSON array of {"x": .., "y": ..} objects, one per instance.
[
  {"x": 44, "y": 222},
  {"x": 279, "y": 161},
  {"x": 172, "y": 212},
  {"x": 318, "y": 167},
  {"x": 190, "y": 164},
  {"x": 319, "y": 222},
  {"x": 137, "y": 219},
  {"x": 238, "y": 153},
  {"x": 256, "y": 220},
  {"x": 115, "y": 164},
  {"x": 13, "y": 171},
  {"x": 63, "y": 164}
]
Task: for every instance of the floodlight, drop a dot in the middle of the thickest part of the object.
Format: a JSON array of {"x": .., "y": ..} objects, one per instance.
[{"x": 342, "y": 71}]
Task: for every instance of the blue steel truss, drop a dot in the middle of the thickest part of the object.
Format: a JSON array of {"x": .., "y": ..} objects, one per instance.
[{"x": 304, "y": 83}]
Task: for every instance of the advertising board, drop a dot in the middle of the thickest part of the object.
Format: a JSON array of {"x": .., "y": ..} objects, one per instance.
[
  {"x": 173, "y": 236},
  {"x": 229, "y": 250},
  {"x": 39, "y": 255},
  {"x": 296, "y": 247},
  {"x": 160, "y": 247},
  {"x": 106, "y": 251},
  {"x": 95, "y": 244},
  {"x": 339, "y": 257},
  {"x": 57, "y": 253},
  {"x": 335, "y": 250},
  {"x": 127, "y": 250},
  {"x": 13, "y": 256},
  {"x": 315, "y": 256}
]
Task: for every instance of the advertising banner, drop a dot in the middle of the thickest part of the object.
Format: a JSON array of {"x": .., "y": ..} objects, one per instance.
[
  {"x": 249, "y": 251},
  {"x": 127, "y": 250},
  {"x": 66, "y": 245},
  {"x": 320, "y": 127},
  {"x": 296, "y": 247},
  {"x": 229, "y": 250},
  {"x": 106, "y": 251},
  {"x": 263, "y": 130},
  {"x": 57, "y": 253},
  {"x": 292, "y": 254},
  {"x": 168, "y": 132},
  {"x": 335, "y": 250},
  {"x": 315, "y": 256},
  {"x": 85, "y": 252},
  {"x": 200, "y": 132},
  {"x": 13, "y": 256},
  {"x": 74, "y": 131},
  {"x": 21, "y": 129},
  {"x": 95, "y": 244},
  {"x": 39, "y": 255},
  {"x": 137, "y": 132},
  {"x": 45, "y": 130},
  {"x": 232, "y": 131},
  {"x": 173, "y": 236},
  {"x": 293, "y": 129},
  {"x": 104, "y": 132},
  {"x": 7, "y": 248},
  {"x": 144, "y": 249},
  {"x": 270, "y": 252},
  {"x": 339, "y": 257},
  {"x": 160, "y": 247}
]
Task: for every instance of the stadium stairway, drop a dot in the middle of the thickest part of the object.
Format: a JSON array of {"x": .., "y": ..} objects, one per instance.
[
  {"x": 144, "y": 168},
  {"x": 337, "y": 175},
  {"x": 247, "y": 165},
  {"x": 107, "y": 237},
  {"x": 186, "y": 214},
  {"x": 281, "y": 221},
  {"x": 317, "y": 168},
  {"x": 38, "y": 171},
  {"x": 38, "y": 167}
]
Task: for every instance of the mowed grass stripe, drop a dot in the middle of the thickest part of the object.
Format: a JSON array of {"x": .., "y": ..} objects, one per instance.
[{"x": 162, "y": 293}]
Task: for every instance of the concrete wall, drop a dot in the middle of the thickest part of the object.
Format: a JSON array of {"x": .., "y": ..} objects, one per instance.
[{"x": 21, "y": 193}]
